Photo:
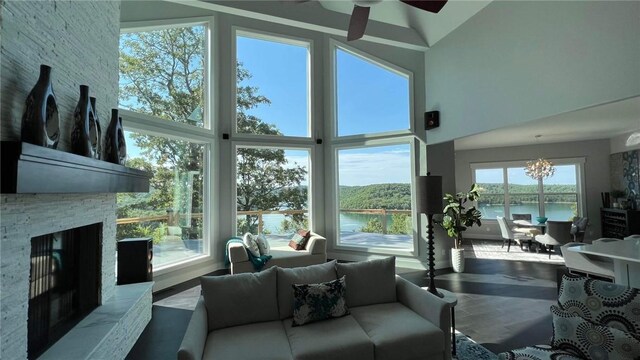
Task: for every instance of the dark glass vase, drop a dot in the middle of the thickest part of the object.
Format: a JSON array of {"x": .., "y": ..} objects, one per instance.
[
  {"x": 97, "y": 128},
  {"x": 40, "y": 120},
  {"x": 115, "y": 147},
  {"x": 83, "y": 138}
]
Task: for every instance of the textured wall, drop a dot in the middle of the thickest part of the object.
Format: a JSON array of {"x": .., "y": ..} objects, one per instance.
[{"x": 78, "y": 39}]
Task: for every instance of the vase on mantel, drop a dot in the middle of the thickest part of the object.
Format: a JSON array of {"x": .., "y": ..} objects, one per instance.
[
  {"x": 40, "y": 120},
  {"x": 84, "y": 134},
  {"x": 115, "y": 147},
  {"x": 98, "y": 128}
]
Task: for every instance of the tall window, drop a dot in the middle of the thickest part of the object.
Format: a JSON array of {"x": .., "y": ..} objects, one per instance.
[
  {"x": 272, "y": 109},
  {"x": 371, "y": 97},
  {"x": 374, "y": 177},
  {"x": 375, "y": 197},
  {"x": 272, "y": 86},
  {"x": 163, "y": 86},
  {"x": 558, "y": 197}
]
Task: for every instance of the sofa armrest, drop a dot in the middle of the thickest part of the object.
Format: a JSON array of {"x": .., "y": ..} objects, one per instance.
[
  {"x": 317, "y": 244},
  {"x": 427, "y": 305},
  {"x": 192, "y": 346},
  {"x": 237, "y": 253}
]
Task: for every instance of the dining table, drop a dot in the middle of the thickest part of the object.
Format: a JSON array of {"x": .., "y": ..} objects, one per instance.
[{"x": 625, "y": 255}]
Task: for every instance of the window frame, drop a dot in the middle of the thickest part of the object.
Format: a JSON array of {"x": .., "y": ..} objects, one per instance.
[
  {"x": 283, "y": 39},
  {"x": 332, "y": 99},
  {"x": 149, "y": 124},
  {"x": 333, "y": 178},
  {"x": 505, "y": 165}
]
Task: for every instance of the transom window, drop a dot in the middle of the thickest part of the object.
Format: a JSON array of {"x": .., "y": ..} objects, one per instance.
[{"x": 507, "y": 190}]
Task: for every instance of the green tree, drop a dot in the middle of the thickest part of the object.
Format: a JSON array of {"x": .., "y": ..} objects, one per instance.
[
  {"x": 374, "y": 225},
  {"x": 161, "y": 74}
]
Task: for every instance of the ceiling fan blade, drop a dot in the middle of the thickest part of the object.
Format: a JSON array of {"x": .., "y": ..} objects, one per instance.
[
  {"x": 433, "y": 6},
  {"x": 358, "y": 22}
]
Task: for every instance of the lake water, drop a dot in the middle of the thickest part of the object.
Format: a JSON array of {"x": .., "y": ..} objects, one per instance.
[{"x": 348, "y": 222}]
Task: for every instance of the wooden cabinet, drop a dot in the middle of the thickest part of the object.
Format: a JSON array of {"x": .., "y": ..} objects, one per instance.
[{"x": 618, "y": 223}]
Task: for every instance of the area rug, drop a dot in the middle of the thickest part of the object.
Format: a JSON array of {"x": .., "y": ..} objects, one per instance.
[
  {"x": 492, "y": 249},
  {"x": 467, "y": 349}
]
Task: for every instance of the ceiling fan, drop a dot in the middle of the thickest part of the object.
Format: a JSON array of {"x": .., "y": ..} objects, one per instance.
[{"x": 360, "y": 14}]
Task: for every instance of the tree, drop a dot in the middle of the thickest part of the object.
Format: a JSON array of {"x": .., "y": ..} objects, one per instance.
[{"x": 162, "y": 75}]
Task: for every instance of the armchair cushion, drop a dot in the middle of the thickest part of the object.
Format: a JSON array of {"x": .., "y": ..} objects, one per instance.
[
  {"x": 591, "y": 341},
  {"x": 369, "y": 282},
  {"x": 240, "y": 299}
]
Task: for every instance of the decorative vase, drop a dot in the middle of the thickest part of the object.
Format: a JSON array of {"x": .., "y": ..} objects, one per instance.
[
  {"x": 40, "y": 120},
  {"x": 97, "y": 128},
  {"x": 115, "y": 147},
  {"x": 457, "y": 260},
  {"x": 83, "y": 138}
]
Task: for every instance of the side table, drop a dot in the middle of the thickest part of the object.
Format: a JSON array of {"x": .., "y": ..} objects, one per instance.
[{"x": 452, "y": 300}]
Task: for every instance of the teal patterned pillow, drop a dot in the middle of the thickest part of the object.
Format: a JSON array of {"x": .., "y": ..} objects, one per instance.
[
  {"x": 601, "y": 302},
  {"x": 315, "y": 302},
  {"x": 585, "y": 339}
]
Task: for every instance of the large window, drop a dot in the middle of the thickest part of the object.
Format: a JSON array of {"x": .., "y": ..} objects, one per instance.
[
  {"x": 374, "y": 197},
  {"x": 163, "y": 102},
  {"x": 558, "y": 197},
  {"x": 272, "y": 85},
  {"x": 370, "y": 97}
]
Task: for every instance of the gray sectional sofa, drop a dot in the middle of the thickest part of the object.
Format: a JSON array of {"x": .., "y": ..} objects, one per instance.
[{"x": 249, "y": 316}]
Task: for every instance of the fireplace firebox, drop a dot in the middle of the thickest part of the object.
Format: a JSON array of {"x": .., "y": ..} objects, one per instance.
[{"x": 64, "y": 283}]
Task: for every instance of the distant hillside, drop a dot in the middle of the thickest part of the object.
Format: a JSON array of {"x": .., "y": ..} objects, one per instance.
[{"x": 377, "y": 196}]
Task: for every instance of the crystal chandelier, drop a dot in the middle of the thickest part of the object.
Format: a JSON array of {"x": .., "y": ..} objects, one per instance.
[{"x": 539, "y": 169}]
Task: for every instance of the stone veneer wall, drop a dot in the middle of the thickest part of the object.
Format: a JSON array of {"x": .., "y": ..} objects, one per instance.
[{"x": 79, "y": 40}]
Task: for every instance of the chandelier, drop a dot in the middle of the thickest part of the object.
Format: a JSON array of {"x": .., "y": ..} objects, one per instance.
[{"x": 539, "y": 169}]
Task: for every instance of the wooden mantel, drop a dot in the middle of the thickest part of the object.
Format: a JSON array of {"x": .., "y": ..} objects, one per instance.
[{"x": 32, "y": 169}]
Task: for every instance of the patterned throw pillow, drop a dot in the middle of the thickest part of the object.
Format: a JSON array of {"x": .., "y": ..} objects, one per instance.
[
  {"x": 315, "y": 302},
  {"x": 250, "y": 242},
  {"x": 263, "y": 244},
  {"x": 299, "y": 239},
  {"x": 537, "y": 352},
  {"x": 591, "y": 341},
  {"x": 601, "y": 302}
]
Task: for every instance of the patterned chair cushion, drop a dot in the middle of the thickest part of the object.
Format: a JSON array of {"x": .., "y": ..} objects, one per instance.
[
  {"x": 591, "y": 341},
  {"x": 601, "y": 302},
  {"x": 538, "y": 352}
]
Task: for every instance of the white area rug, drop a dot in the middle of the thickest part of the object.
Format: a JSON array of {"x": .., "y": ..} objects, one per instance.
[{"x": 492, "y": 249}]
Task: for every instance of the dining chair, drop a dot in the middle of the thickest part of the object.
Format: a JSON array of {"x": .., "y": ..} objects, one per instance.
[
  {"x": 521, "y": 217},
  {"x": 557, "y": 233},
  {"x": 508, "y": 235},
  {"x": 579, "y": 227}
]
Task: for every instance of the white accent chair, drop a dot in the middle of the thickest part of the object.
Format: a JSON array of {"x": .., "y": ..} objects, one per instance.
[
  {"x": 508, "y": 235},
  {"x": 632, "y": 237},
  {"x": 557, "y": 233},
  {"x": 586, "y": 264},
  {"x": 604, "y": 240}
]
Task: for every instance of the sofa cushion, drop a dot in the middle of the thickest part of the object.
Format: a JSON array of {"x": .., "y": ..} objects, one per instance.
[
  {"x": 240, "y": 299},
  {"x": 538, "y": 352},
  {"x": 369, "y": 282},
  {"x": 266, "y": 340},
  {"x": 333, "y": 339},
  {"x": 397, "y": 332},
  {"x": 588, "y": 340},
  {"x": 315, "y": 302},
  {"x": 601, "y": 302},
  {"x": 312, "y": 274}
]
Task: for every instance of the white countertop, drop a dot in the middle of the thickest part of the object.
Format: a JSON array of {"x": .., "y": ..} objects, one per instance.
[{"x": 628, "y": 250}]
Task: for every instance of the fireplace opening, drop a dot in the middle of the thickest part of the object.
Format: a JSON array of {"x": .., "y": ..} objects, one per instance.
[{"x": 64, "y": 283}]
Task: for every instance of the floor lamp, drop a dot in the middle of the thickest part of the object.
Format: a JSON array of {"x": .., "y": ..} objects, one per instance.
[{"x": 430, "y": 203}]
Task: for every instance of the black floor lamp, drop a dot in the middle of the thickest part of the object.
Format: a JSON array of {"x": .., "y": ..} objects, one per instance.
[{"x": 430, "y": 203}]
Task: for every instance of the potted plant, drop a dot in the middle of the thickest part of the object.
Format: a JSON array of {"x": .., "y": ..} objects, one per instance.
[{"x": 457, "y": 219}]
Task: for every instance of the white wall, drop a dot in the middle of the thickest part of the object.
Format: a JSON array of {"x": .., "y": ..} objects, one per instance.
[
  {"x": 618, "y": 143},
  {"x": 517, "y": 61},
  {"x": 596, "y": 169}
]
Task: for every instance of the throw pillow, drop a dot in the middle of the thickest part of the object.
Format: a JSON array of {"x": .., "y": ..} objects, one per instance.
[
  {"x": 250, "y": 242},
  {"x": 601, "y": 302},
  {"x": 591, "y": 341},
  {"x": 311, "y": 274},
  {"x": 299, "y": 239},
  {"x": 263, "y": 244},
  {"x": 315, "y": 302},
  {"x": 370, "y": 282}
]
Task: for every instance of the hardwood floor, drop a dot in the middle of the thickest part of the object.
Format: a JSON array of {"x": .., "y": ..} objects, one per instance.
[{"x": 501, "y": 304}]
